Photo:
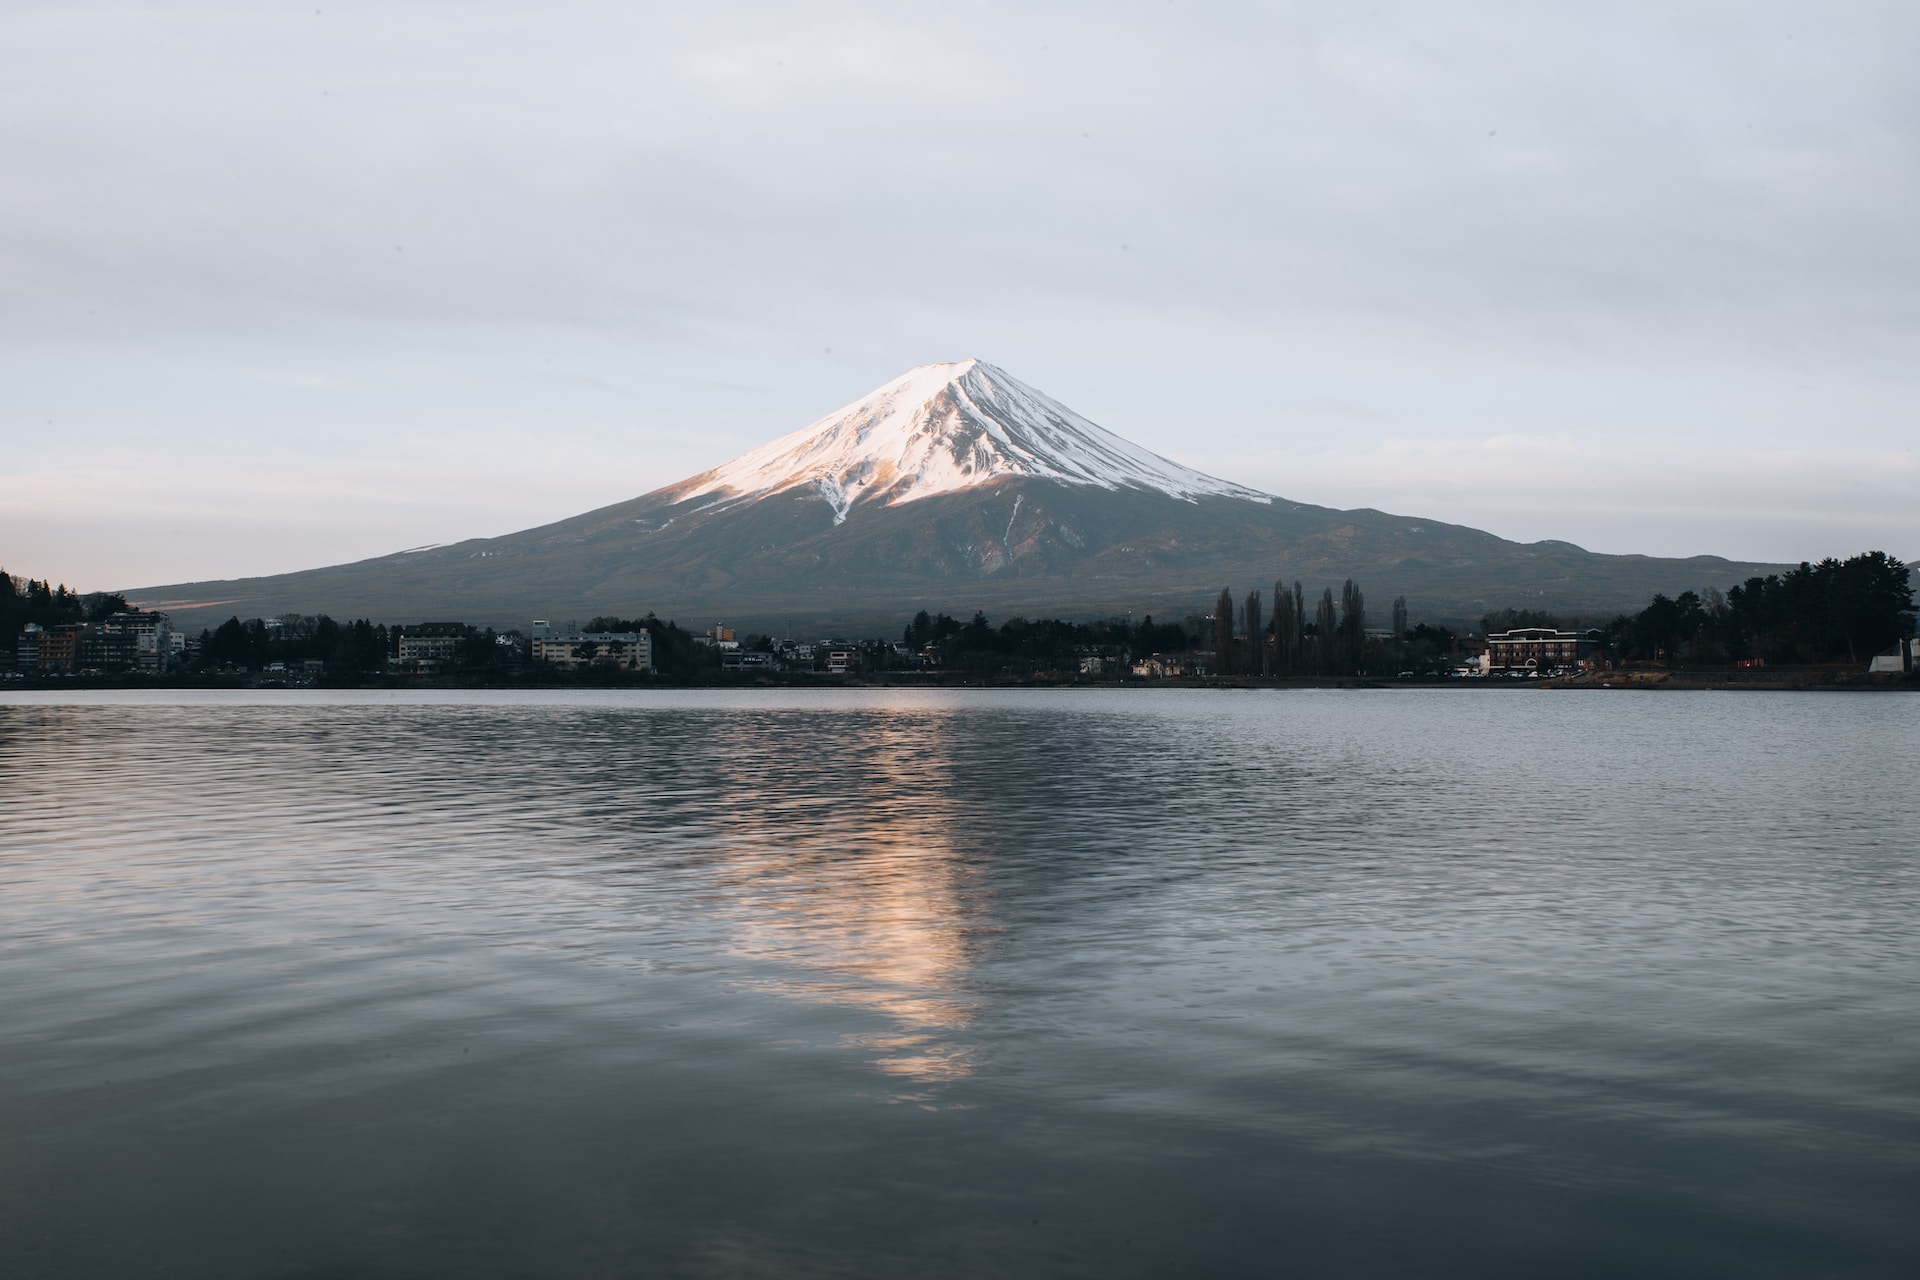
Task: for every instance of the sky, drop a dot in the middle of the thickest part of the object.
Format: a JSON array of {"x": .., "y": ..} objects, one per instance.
[{"x": 284, "y": 285}]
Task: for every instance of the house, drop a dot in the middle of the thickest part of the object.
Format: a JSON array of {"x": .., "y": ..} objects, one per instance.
[{"x": 1162, "y": 665}]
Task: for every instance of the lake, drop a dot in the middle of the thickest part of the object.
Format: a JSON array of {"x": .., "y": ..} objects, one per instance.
[{"x": 959, "y": 983}]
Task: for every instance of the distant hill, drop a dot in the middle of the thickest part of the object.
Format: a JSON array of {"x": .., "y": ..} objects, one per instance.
[{"x": 953, "y": 487}]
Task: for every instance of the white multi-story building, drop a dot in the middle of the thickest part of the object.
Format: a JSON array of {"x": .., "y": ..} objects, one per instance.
[
  {"x": 426, "y": 647},
  {"x": 626, "y": 650}
]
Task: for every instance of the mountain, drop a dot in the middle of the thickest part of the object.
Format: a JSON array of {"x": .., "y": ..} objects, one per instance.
[
  {"x": 954, "y": 487},
  {"x": 942, "y": 429}
]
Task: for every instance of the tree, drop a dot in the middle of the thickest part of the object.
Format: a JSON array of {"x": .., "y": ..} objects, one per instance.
[
  {"x": 1299, "y": 639},
  {"x": 1870, "y": 602},
  {"x": 1324, "y": 628},
  {"x": 1290, "y": 657},
  {"x": 1399, "y": 618},
  {"x": 1353, "y": 627},
  {"x": 919, "y": 632},
  {"x": 1223, "y": 632},
  {"x": 1256, "y": 637},
  {"x": 102, "y": 605},
  {"x": 1854, "y": 608}
]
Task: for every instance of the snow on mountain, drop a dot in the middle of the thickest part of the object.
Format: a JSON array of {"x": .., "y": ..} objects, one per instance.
[{"x": 942, "y": 428}]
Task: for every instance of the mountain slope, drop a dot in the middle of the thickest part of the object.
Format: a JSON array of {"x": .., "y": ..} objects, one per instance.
[{"x": 952, "y": 487}]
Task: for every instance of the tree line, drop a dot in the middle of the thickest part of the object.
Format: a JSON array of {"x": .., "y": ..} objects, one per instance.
[
  {"x": 345, "y": 649},
  {"x": 348, "y": 650},
  {"x": 1331, "y": 641},
  {"x": 1830, "y": 611},
  {"x": 1833, "y": 611},
  {"x": 1047, "y": 644}
]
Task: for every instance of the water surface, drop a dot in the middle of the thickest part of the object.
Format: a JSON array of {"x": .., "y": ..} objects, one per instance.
[{"x": 959, "y": 983}]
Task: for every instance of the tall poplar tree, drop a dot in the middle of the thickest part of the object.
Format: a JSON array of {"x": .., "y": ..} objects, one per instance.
[
  {"x": 1256, "y": 636},
  {"x": 1353, "y": 627},
  {"x": 1324, "y": 628},
  {"x": 1223, "y": 632},
  {"x": 1299, "y": 638},
  {"x": 1285, "y": 650}
]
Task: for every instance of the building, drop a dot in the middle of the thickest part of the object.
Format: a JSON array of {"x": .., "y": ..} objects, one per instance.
[
  {"x": 623, "y": 650},
  {"x": 152, "y": 635},
  {"x": 26, "y": 650},
  {"x": 59, "y": 648},
  {"x": 431, "y": 645},
  {"x": 1538, "y": 649},
  {"x": 102, "y": 650}
]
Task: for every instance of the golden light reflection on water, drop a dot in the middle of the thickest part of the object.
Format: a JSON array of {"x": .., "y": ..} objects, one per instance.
[{"x": 865, "y": 900}]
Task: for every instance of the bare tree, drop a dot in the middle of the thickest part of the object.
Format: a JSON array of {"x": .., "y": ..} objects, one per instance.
[
  {"x": 1223, "y": 632},
  {"x": 1256, "y": 637},
  {"x": 1399, "y": 619}
]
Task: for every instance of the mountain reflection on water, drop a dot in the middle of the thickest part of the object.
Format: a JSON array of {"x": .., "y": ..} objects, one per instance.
[{"x": 864, "y": 982}]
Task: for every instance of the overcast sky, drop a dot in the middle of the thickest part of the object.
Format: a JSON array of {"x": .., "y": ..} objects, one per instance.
[{"x": 285, "y": 285}]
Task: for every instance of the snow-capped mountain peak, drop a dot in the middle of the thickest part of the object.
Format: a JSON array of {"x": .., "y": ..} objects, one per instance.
[{"x": 941, "y": 428}]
